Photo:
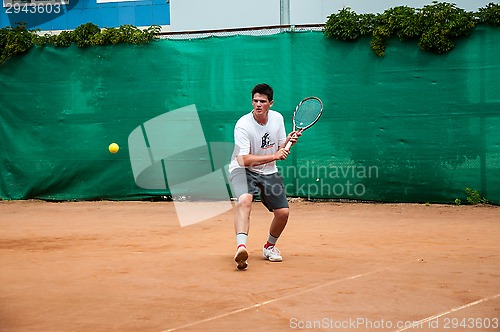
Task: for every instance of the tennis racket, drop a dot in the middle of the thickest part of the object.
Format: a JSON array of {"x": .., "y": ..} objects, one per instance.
[{"x": 307, "y": 113}]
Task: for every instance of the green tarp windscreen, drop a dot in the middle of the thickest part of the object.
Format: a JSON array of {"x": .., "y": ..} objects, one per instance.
[{"x": 407, "y": 127}]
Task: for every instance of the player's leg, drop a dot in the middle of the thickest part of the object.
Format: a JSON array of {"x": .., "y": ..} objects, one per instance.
[
  {"x": 242, "y": 215},
  {"x": 243, "y": 190},
  {"x": 278, "y": 224},
  {"x": 274, "y": 198},
  {"x": 242, "y": 226}
]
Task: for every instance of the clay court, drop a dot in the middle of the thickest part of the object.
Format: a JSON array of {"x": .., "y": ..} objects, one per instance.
[{"x": 129, "y": 266}]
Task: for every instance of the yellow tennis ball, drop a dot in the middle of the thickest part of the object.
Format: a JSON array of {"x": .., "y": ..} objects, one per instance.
[{"x": 113, "y": 148}]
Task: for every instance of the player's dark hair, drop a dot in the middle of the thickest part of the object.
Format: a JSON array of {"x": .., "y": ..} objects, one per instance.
[{"x": 263, "y": 89}]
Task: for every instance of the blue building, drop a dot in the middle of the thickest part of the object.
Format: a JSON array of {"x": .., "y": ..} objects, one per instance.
[{"x": 56, "y": 15}]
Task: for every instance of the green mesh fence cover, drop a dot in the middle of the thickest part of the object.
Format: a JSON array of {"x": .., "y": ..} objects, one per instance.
[{"x": 408, "y": 127}]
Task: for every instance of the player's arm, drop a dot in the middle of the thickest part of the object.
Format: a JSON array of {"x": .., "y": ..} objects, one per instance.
[
  {"x": 245, "y": 159},
  {"x": 254, "y": 160},
  {"x": 292, "y": 137}
]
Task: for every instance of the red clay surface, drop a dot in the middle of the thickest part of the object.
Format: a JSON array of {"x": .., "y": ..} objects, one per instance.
[{"x": 129, "y": 266}]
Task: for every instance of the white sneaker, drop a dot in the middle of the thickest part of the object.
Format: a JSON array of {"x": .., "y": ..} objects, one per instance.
[
  {"x": 241, "y": 257},
  {"x": 272, "y": 254}
]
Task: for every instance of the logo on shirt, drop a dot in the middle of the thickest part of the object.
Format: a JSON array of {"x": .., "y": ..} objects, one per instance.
[{"x": 266, "y": 142}]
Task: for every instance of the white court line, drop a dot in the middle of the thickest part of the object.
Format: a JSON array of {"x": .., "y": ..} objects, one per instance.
[
  {"x": 257, "y": 305},
  {"x": 428, "y": 319},
  {"x": 119, "y": 252}
]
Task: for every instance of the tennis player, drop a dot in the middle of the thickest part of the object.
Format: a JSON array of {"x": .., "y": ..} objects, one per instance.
[{"x": 260, "y": 139}]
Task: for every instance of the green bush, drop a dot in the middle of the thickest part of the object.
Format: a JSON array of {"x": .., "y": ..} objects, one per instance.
[
  {"x": 348, "y": 26},
  {"x": 474, "y": 198},
  {"x": 490, "y": 14},
  {"x": 83, "y": 34},
  {"x": 441, "y": 24},
  {"x": 435, "y": 26},
  {"x": 14, "y": 41},
  {"x": 63, "y": 39},
  {"x": 19, "y": 40}
]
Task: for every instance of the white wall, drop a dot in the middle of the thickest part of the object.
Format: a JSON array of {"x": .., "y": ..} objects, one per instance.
[{"x": 186, "y": 15}]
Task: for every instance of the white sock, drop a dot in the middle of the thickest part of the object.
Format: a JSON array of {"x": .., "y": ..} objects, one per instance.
[
  {"x": 241, "y": 239},
  {"x": 272, "y": 240}
]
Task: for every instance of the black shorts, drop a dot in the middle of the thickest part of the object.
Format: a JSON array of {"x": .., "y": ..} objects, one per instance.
[{"x": 270, "y": 187}]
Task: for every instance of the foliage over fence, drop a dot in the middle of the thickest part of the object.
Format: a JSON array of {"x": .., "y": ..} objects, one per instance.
[
  {"x": 435, "y": 26},
  {"x": 19, "y": 40}
]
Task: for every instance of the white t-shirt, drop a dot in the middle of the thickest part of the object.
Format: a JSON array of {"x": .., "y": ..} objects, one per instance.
[{"x": 250, "y": 137}]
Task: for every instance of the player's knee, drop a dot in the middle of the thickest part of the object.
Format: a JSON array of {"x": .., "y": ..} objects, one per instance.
[
  {"x": 282, "y": 214},
  {"x": 245, "y": 201}
]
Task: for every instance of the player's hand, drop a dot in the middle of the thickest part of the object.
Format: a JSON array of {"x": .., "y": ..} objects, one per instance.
[
  {"x": 294, "y": 136},
  {"x": 281, "y": 154}
]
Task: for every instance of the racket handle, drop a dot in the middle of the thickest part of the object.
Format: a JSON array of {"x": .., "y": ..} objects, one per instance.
[{"x": 288, "y": 146}]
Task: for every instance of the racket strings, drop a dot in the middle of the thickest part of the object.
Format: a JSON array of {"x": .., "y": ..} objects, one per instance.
[{"x": 307, "y": 113}]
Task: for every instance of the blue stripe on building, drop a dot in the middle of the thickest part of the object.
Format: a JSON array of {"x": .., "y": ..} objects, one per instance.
[{"x": 104, "y": 15}]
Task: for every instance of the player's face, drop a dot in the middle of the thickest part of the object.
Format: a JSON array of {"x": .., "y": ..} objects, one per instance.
[{"x": 261, "y": 104}]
